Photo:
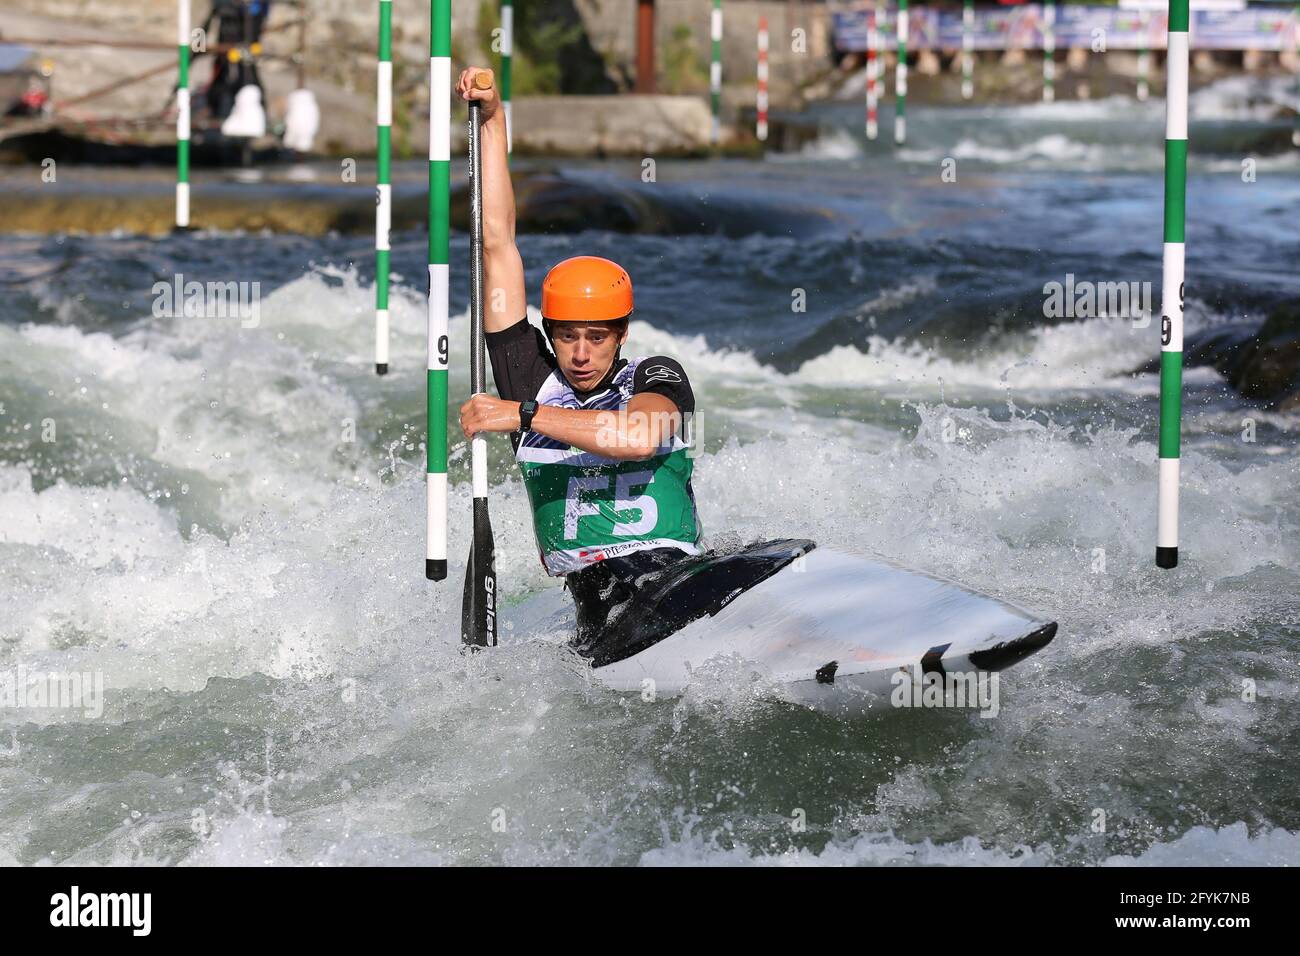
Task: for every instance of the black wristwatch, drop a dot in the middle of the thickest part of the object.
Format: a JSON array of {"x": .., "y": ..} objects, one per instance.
[{"x": 526, "y": 412}]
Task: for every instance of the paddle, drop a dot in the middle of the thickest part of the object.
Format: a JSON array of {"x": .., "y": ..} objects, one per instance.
[{"x": 478, "y": 625}]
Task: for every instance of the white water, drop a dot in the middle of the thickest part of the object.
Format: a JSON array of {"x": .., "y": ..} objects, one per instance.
[
  {"x": 227, "y": 525},
  {"x": 1112, "y": 133},
  {"x": 231, "y": 532}
]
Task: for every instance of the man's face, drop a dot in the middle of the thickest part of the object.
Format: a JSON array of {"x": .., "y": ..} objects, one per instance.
[{"x": 585, "y": 351}]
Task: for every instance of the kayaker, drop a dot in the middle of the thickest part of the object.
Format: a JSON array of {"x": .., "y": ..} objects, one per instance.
[
  {"x": 236, "y": 23},
  {"x": 601, "y": 439}
]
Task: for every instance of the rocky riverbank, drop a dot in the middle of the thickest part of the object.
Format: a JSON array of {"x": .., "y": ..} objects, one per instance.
[
  {"x": 317, "y": 199},
  {"x": 1261, "y": 363}
]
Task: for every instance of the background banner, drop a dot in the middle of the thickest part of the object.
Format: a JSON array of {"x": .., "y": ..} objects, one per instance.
[{"x": 1076, "y": 26}]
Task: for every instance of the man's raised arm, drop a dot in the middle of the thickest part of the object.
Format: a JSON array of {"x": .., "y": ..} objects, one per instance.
[{"x": 503, "y": 270}]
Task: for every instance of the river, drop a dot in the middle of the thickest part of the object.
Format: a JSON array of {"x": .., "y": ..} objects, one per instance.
[{"x": 224, "y": 521}]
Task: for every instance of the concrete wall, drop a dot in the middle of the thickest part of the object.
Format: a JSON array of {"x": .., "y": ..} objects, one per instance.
[
  {"x": 340, "y": 61},
  {"x": 619, "y": 125},
  {"x": 611, "y": 24}
]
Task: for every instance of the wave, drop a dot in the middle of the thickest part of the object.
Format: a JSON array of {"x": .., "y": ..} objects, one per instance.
[
  {"x": 1232, "y": 117},
  {"x": 1231, "y": 845},
  {"x": 1089, "y": 354},
  {"x": 1052, "y": 148},
  {"x": 290, "y": 591},
  {"x": 249, "y": 585},
  {"x": 1245, "y": 98}
]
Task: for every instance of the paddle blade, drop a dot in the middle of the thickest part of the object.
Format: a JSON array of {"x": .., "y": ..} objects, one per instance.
[{"x": 478, "y": 619}]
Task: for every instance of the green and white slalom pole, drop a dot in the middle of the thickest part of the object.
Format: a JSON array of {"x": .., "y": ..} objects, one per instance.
[
  {"x": 384, "y": 188},
  {"x": 478, "y": 626},
  {"x": 715, "y": 70},
  {"x": 1144, "y": 57},
  {"x": 507, "y": 54},
  {"x": 1049, "y": 51},
  {"x": 1172, "y": 287},
  {"x": 435, "y": 562},
  {"x": 183, "y": 114},
  {"x": 968, "y": 50},
  {"x": 900, "y": 78}
]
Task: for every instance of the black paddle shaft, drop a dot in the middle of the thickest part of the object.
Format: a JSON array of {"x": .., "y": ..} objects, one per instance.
[
  {"x": 477, "y": 342},
  {"x": 478, "y": 609}
]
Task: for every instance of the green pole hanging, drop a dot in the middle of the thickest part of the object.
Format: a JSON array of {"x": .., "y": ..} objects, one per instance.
[
  {"x": 435, "y": 565},
  {"x": 1172, "y": 286}
]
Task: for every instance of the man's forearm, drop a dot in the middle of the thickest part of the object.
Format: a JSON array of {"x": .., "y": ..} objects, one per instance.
[
  {"x": 632, "y": 433},
  {"x": 594, "y": 431},
  {"x": 628, "y": 434},
  {"x": 503, "y": 269},
  {"x": 498, "y": 192}
]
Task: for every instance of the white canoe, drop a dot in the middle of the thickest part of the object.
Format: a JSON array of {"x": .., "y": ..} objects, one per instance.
[{"x": 837, "y": 631}]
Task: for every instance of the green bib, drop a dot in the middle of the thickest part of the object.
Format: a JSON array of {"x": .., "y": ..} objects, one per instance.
[{"x": 587, "y": 507}]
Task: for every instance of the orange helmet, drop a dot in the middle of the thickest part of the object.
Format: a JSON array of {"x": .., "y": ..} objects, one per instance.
[{"x": 586, "y": 289}]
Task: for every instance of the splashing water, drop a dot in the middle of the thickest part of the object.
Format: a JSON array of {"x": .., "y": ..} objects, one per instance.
[{"x": 228, "y": 526}]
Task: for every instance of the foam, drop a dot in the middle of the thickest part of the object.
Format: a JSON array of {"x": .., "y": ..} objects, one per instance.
[
  {"x": 299, "y": 649},
  {"x": 1201, "y": 846}
]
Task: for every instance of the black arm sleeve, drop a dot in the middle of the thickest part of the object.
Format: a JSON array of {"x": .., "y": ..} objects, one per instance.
[
  {"x": 521, "y": 361},
  {"x": 665, "y": 376}
]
